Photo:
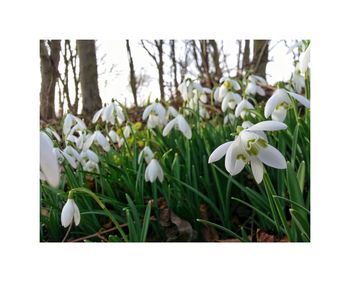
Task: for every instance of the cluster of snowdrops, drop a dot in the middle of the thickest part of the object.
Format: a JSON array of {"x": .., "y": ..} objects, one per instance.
[{"x": 81, "y": 148}]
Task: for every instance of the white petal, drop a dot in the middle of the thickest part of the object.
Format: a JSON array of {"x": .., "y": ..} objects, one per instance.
[
  {"x": 160, "y": 173},
  {"x": 113, "y": 135},
  {"x": 305, "y": 60},
  {"x": 153, "y": 170},
  {"x": 235, "y": 85},
  {"x": 76, "y": 214},
  {"x": 239, "y": 165},
  {"x": 279, "y": 115},
  {"x": 67, "y": 213},
  {"x": 127, "y": 131},
  {"x": 268, "y": 125},
  {"x": 48, "y": 161},
  {"x": 92, "y": 156},
  {"x": 97, "y": 115},
  {"x": 159, "y": 109},
  {"x": 107, "y": 114},
  {"x": 301, "y": 99},
  {"x": 243, "y": 105},
  {"x": 231, "y": 154},
  {"x": 184, "y": 126},
  {"x": 219, "y": 152},
  {"x": 90, "y": 139},
  {"x": 169, "y": 126},
  {"x": 279, "y": 96},
  {"x": 260, "y": 91},
  {"x": 70, "y": 159},
  {"x": 257, "y": 169},
  {"x": 272, "y": 157},
  {"x": 216, "y": 94},
  {"x": 147, "y": 111},
  {"x": 67, "y": 124}
]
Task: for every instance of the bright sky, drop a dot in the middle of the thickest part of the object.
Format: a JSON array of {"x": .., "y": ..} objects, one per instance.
[{"x": 114, "y": 67}]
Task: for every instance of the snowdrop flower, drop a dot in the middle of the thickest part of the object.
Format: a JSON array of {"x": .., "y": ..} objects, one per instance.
[
  {"x": 68, "y": 123},
  {"x": 242, "y": 108},
  {"x": 229, "y": 118},
  {"x": 110, "y": 114},
  {"x": 102, "y": 140},
  {"x": 154, "y": 171},
  {"x": 253, "y": 89},
  {"x": 186, "y": 89},
  {"x": 71, "y": 155},
  {"x": 70, "y": 211},
  {"x": 49, "y": 166},
  {"x": 305, "y": 60},
  {"x": 298, "y": 80},
  {"x": 279, "y": 103},
  {"x": 172, "y": 112},
  {"x": 228, "y": 85},
  {"x": 89, "y": 161},
  {"x": 127, "y": 131},
  {"x": 230, "y": 101},
  {"x": 181, "y": 124},
  {"x": 155, "y": 114},
  {"x": 250, "y": 146},
  {"x": 147, "y": 154}
]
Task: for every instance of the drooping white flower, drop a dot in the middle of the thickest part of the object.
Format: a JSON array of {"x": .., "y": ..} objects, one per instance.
[
  {"x": 69, "y": 121},
  {"x": 154, "y": 171},
  {"x": 279, "y": 103},
  {"x": 180, "y": 123},
  {"x": 53, "y": 133},
  {"x": 127, "y": 131},
  {"x": 155, "y": 113},
  {"x": 251, "y": 146},
  {"x": 228, "y": 85},
  {"x": 110, "y": 114},
  {"x": 305, "y": 60},
  {"x": 242, "y": 107},
  {"x": 171, "y": 112},
  {"x": 229, "y": 118},
  {"x": 69, "y": 213},
  {"x": 230, "y": 101},
  {"x": 147, "y": 154},
  {"x": 298, "y": 80},
  {"x": 253, "y": 89},
  {"x": 186, "y": 88},
  {"x": 48, "y": 161},
  {"x": 102, "y": 140}
]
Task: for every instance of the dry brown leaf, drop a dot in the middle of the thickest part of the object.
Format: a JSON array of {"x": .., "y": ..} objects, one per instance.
[{"x": 208, "y": 232}]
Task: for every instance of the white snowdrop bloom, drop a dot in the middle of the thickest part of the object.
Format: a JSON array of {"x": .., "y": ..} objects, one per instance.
[
  {"x": 102, "y": 140},
  {"x": 69, "y": 213},
  {"x": 72, "y": 156},
  {"x": 154, "y": 171},
  {"x": 113, "y": 136},
  {"x": 230, "y": 101},
  {"x": 229, "y": 118},
  {"x": 48, "y": 161},
  {"x": 186, "y": 89},
  {"x": 68, "y": 123},
  {"x": 256, "y": 78},
  {"x": 180, "y": 123},
  {"x": 110, "y": 114},
  {"x": 203, "y": 112},
  {"x": 305, "y": 60},
  {"x": 253, "y": 89},
  {"x": 297, "y": 44},
  {"x": 155, "y": 113},
  {"x": 279, "y": 103},
  {"x": 127, "y": 131},
  {"x": 147, "y": 154},
  {"x": 171, "y": 112},
  {"x": 242, "y": 107},
  {"x": 298, "y": 80},
  {"x": 229, "y": 85},
  {"x": 92, "y": 156},
  {"x": 250, "y": 147},
  {"x": 91, "y": 166}
]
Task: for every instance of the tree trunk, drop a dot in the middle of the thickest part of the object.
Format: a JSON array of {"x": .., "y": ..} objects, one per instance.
[
  {"x": 88, "y": 77},
  {"x": 260, "y": 57},
  {"x": 205, "y": 63},
  {"x": 49, "y": 73},
  {"x": 159, "y": 45},
  {"x": 132, "y": 73},
  {"x": 246, "y": 55},
  {"x": 173, "y": 59},
  {"x": 215, "y": 54}
]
